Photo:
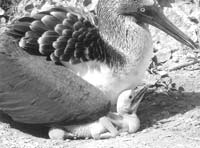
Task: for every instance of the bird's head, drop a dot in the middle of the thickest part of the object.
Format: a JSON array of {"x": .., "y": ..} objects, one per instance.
[
  {"x": 129, "y": 100},
  {"x": 145, "y": 12}
]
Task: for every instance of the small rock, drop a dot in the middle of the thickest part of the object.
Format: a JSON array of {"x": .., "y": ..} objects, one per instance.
[
  {"x": 29, "y": 7},
  {"x": 165, "y": 113},
  {"x": 181, "y": 89},
  {"x": 3, "y": 20},
  {"x": 190, "y": 55},
  {"x": 163, "y": 103},
  {"x": 163, "y": 74},
  {"x": 87, "y": 2},
  {"x": 163, "y": 57},
  {"x": 176, "y": 59},
  {"x": 2, "y": 12}
]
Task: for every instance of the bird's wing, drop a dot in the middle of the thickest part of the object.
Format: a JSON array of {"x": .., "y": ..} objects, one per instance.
[
  {"x": 35, "y": 91},
  {"x": 65, "y": 34}
]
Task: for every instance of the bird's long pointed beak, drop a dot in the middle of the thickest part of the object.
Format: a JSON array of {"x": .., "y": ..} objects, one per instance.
[
  {"x": 137, "y": 99},
  {"x": 153, "y": 15}
]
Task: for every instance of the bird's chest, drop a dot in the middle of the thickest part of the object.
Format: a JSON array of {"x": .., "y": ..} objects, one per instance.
[
  {"x": 108, "y": 80},
  {"x": 124, "y": 127},
  {"x": 128, "y": 124}
]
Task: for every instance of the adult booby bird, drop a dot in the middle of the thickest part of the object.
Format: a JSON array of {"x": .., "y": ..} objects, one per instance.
[
  {"x": 125, "y": 120},
  {"x": 112, "y": 55}
]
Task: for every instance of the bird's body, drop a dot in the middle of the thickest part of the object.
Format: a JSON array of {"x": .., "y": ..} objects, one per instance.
[{"x": 110, "y": 62}]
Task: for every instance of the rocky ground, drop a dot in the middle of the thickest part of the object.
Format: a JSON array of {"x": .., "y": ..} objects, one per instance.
[{"x": 170, "y": 118}]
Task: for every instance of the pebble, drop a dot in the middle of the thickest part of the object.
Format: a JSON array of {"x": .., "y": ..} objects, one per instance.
[
  {"x": 176, "y": 59},
  {"x": 3, "y": 20},
  {"x": 2, "y": 12}
]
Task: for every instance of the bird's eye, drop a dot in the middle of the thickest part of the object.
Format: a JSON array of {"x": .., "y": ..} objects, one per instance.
[
  {"x": 142, "y": 9},
  {"x": 130, "y": 97}
]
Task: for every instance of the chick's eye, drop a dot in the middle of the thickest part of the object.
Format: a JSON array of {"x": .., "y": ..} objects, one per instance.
[{"x": 130, "y": 97}]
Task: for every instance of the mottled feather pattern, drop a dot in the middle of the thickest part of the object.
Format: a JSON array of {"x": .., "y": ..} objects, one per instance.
[{"x": 64, "y": 34}]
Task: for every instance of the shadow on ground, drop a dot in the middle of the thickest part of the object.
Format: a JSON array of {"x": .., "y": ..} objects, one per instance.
[
  {"x": 161, "y": 106},
  {"x": 35, "y": 130}
]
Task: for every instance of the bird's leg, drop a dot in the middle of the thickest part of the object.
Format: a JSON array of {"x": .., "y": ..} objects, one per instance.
[
  {"x": 115, "y": 119},
  {"x": 109, "y": 128},
  {"x": 106, "y": 122}
]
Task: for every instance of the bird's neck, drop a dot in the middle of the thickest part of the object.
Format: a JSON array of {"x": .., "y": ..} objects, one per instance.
[
  {"x": 127, "y": 114},
  {"x": 113, "y": 58},
  {"x": 121, "y": 32},
  {"x": 131, "y": 40}
]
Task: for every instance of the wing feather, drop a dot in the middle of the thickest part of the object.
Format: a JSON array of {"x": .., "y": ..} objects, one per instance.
[
  {"x": 66, "y": 35},
  {"x": 50, "y": 21}
]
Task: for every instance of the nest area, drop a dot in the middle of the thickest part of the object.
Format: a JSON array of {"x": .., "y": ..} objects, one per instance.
[{"x": 168, "y": 119}]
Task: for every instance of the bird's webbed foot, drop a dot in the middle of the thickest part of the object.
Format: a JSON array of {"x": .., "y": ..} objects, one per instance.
[{"x": 60, "y": 134}]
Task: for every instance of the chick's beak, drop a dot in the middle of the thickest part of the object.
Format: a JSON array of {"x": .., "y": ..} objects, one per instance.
[
  {"x": 153, "y": 15},
  {"x": 137, "y": 99}
]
